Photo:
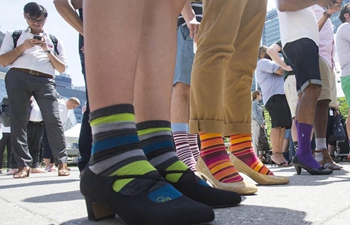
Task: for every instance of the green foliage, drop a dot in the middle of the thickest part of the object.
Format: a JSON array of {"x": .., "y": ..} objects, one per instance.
[{"x": 343, "y": 108}]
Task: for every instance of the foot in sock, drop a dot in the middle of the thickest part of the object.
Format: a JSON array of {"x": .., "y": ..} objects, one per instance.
[
  {"x": 304, "y": 152},
  {"x": 214, "y": 154},
  {"x": 157, "y": 143},
  {"x": 193, "y": 142},
  {"x": 241, "y": 147},
  {"x": 183, "y": 150},
  {"x": 118, "y": 161}
]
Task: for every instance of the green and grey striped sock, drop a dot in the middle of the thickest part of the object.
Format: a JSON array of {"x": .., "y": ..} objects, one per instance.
[
  {"x": 157, "y": 143},
  {"x": 117, "y": 151}
]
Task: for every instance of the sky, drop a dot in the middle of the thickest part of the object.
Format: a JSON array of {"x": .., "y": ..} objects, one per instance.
[{"x": 11, "y": 18}]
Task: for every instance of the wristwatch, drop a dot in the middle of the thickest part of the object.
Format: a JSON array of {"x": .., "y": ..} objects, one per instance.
[{"x": 48, "y": 51}]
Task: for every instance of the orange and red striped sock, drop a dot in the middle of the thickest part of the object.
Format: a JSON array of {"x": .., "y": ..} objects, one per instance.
[
  {"x": 241, "y": 147},
  {"x": 214, "y": 154}
]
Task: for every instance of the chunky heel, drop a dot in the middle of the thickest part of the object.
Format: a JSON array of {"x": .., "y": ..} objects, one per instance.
[
  {"x": 97, "y": 212},
  {"x": 298, "y": 169},
  {"x": 103, "y": 202}
]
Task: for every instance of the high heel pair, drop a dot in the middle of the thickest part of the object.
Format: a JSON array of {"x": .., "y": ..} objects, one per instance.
[
  {"x": 242, "y": 187},
  {"x": 103, "y": 202}
]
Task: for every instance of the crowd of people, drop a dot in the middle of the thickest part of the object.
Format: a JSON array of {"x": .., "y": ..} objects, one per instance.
[{"x": 158, "y": 82}]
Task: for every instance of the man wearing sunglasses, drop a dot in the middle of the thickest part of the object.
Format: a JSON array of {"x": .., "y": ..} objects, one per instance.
[{"x": 33, "y": 61}]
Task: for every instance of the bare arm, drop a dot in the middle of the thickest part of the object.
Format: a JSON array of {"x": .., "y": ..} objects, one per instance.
[
  {"x": 191, "y": 21},
  {"x": 333, "y": 9},
  {"x": 9, "y": 57},
  {"x": 67, "y": 9},
  {"x": 273, "y": 51},
  {"x": 296, "y": 5},
  {"x": 279, "y": 71}
]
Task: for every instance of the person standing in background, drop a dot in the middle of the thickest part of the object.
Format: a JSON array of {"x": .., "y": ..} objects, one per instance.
[
  {"x": 269, "y": 75},
  {"x": 258, "y": 122},
  {"x": 33, "y": 59}
]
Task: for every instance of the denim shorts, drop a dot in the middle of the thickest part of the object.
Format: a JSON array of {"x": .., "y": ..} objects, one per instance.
[
  {"x": 304, "y": 59},
  {"x": 184, "y": 56}
]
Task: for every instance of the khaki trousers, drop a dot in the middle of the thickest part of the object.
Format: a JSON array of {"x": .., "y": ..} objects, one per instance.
[{"x": 228, "y": 42}]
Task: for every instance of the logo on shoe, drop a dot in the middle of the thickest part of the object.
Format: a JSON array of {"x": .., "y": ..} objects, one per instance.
[{"x": 162, "y": 199}]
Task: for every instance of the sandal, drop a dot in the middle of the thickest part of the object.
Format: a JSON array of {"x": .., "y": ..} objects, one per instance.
[
  {"x": 63, "y": 170},
  {"x": 22, "y": 172},
  {"x": 327, "y": 161},
  {"x": 281, "y": 164}
]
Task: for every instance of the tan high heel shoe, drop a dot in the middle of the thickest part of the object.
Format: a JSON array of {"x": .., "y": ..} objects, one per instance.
[
  {"x": 257, "y": 177},
  {"x": 242, "y": 187}
]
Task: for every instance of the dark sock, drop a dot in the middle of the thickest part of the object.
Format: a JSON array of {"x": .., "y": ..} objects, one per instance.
[{"x": 304, "y": 149}]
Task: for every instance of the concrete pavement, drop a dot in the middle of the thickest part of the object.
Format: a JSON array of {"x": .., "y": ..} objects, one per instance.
[{"x": 46, "y": 199}]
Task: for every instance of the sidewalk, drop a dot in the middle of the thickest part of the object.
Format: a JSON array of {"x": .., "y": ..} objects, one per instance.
[{"x": 46, "y": 199}]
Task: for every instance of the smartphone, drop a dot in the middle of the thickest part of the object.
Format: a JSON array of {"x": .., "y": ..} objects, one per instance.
[{"x": 37, "y": 37}]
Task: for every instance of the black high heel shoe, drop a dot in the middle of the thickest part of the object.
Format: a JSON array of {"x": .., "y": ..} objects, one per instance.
[
  {"x": 103, "y": 202},
  {"x": 198, "y": 190},
  {"x": 320, "y": 171}
]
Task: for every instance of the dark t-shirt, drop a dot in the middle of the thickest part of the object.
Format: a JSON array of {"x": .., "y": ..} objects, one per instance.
[{"x": 286, "y": 73}]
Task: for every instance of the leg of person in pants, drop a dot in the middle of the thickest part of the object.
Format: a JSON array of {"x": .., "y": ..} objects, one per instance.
[
  {"x": 18, "y": 87},
  {"x": 45, "y": 96}
]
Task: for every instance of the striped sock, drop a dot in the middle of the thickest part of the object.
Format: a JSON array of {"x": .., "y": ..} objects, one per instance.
[
  {"x": 193, "y": 142},
  {"x": 214, "y": 154},
  {"x": 116, "y": 151},
  {"x": 183, "y": 149},
  {"x": 157, "y": 142},
  {"x": 241, "y": 147}
]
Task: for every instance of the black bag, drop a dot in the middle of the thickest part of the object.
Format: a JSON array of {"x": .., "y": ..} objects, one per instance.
[
  {"x": 338, "y": 131},
  {"x": 263, "y": 144},
  {"x": 5, "y": 112}
]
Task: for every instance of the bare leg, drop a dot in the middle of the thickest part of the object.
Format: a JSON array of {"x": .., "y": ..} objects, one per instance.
[
  {"x": 277, "y": 137},
  {"x": 180, "y": 103}
]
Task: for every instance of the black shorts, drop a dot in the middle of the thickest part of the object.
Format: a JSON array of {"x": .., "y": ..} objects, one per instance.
[
  {"x": 303, "y": 56},
  {"x": 279, "y": 111}
]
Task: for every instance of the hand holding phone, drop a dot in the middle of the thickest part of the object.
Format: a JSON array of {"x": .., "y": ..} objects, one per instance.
[{"x": 37, "y": 37}]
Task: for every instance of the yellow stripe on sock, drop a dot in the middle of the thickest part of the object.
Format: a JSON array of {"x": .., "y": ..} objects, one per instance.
[
  {"x": 152, "y": 130},
  {"x": 204, "y": 136},
  {"x": 113, "y": 118},
  {"x": 174, "y": 177},
  {"x": 135, "y": 168}
]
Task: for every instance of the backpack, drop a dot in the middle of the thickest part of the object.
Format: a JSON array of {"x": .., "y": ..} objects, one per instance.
[
  {"x": 5, "y": 112},
  {"x": 17, "y": 33}
]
